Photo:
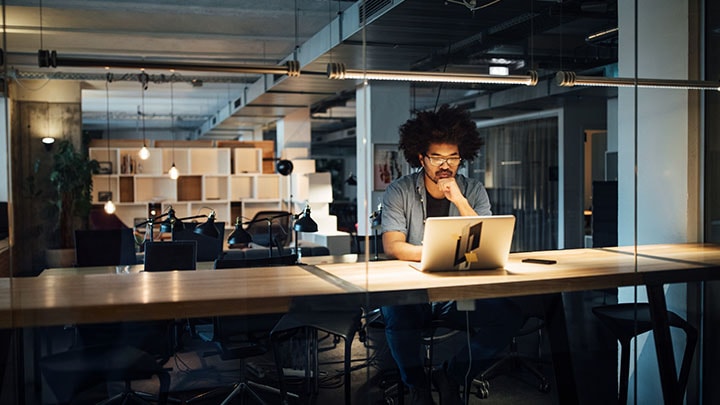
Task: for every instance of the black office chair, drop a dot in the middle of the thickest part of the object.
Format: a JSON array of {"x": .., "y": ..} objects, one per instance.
[
  {"x": 534, "y": 324},
  {"x": 107, "y": 247},
  {"x": 241, "y": 337},
  {"x": 103, "y": 353},
  {"x": 276, "y": 235},
  {"x": 629, "y": 320},
  {"x": 339, "y": 319},
  {"x": 208, "y": 248}
]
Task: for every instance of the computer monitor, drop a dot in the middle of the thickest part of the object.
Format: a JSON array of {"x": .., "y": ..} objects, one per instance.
[{"x": 175, "y": 255}]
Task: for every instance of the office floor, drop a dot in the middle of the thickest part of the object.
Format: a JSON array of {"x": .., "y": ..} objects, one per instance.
[{"x": 196, "y": 371}]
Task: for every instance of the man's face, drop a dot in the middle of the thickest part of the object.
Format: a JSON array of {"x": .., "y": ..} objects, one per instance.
[{"x": 441, "y": 161}]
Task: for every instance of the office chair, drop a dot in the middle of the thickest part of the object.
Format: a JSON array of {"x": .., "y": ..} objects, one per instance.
[
  {"x": 533, "y": 310},
  {"x": 340, "y": 320},
  {"x": 103, "y": 353},
  {"x": 279, "y": 229},
  {"x": 106, "y": 247},
  {"x": 208, "y": 249},
  {"x": 241, "y": 337},
  {"x": 629, "y": 320}
]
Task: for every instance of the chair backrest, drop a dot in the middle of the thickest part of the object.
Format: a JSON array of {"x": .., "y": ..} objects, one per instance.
[
  {"x": 175, "y": 255},
  {"x": 208, "y": 249},
  {"x": 280, "y": 228},
  {"x": 106, "y": 247},
  {"x": 285, "y": 260}
]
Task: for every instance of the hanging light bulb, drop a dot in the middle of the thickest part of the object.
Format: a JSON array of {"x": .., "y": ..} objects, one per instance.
[
  {"x": 109, "y": 207},
  {"x": 173, "y": 172},
  {"x": 144, "y": 151}
]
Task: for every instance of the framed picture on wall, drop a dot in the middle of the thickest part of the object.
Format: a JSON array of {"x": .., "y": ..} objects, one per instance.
[{"x": 387, "y": 165}]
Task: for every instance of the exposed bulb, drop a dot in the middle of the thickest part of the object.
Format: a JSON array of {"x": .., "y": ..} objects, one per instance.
[
  {"x": 144, "y": 153},
  {"x": 109, "y": 207},
  {"x": 173, "y": 172}
]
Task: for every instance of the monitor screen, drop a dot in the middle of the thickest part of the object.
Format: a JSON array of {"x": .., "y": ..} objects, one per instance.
[
  {"x": 104, "y": 247},
  {"x": 175, "y": 255}
]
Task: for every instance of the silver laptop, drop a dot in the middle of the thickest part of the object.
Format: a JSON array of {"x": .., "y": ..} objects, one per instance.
[{"x": 466, "y": 243}]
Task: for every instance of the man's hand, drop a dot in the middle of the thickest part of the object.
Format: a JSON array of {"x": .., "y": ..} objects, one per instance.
[
  {"x": 452, "y": 192},
  {"x": 448, "y": 186}
]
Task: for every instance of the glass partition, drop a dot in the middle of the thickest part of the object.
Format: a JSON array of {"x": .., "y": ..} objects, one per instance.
[{"x": 597, "y": 136}]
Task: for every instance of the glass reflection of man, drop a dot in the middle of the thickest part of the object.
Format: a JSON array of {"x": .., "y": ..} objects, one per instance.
[{"x": 437, "y": 143}]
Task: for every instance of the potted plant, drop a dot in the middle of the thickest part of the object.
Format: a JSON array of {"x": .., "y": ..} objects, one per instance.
[{"x": 69, "y": 197}]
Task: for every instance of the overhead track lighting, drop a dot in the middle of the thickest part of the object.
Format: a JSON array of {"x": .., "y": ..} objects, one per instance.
[
  {"x": 48, "y": 58},
  {"x": 570, "y": 79},
  {"x": 338, "y": 71}
]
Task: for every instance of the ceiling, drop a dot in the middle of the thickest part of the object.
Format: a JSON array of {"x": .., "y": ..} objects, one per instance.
[{"x": 422, "y": 35}]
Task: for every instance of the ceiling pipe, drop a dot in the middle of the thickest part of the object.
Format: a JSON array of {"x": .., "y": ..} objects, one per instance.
[
  {"x": 570, "y": 79},
  {"x": 338, "y": 71},
  {"x": 48, "y": 58}
]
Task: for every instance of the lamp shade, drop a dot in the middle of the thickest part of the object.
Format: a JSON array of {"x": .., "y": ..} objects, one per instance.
[
  {"x": 239, "y": 236},
  {"x": 171, "y": 223},
  {"x": 208, "y": 228},
  {"x": 284, "y": 167},
  {"x": 305, "y": 223}
]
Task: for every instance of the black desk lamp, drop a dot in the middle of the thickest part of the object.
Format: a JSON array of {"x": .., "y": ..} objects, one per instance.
[
  {"x": 239, "y": 235},
  {"x": 303, "y": 223},
  {"x": 207, "y": 228}
]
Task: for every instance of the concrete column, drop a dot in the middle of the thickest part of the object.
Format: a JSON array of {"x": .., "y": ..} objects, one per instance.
[
  {"x": 658, "y": 144},
  {"x": 37, "y": 109},
  {"x": 293, "y": 131}
]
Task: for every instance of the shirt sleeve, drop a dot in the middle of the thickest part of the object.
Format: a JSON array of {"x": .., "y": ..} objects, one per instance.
[{"x": 393, "y": 210}]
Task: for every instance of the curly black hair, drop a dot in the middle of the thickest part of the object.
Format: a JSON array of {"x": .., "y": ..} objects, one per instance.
[{"x": 451, "y": 125}]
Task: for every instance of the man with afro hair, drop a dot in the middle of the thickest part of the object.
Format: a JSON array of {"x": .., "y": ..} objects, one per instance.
[{"x": 437, "y": 143}]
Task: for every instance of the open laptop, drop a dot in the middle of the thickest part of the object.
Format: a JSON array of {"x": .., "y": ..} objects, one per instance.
[{"x": 466, "y": 243}]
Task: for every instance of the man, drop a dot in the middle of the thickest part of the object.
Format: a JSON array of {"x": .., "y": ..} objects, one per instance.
[{"x": 437, "y": 143}]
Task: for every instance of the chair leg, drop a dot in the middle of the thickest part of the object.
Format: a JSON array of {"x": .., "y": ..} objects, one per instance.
[{"x": 624, "y": 371}]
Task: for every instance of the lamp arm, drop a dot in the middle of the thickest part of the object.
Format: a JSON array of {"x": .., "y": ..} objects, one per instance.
[{"x": 151, "y": 220}]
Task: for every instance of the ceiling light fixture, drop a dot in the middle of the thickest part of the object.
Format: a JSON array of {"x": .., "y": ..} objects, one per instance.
[
  {"x": 48, "y": 58},
  {"x": 144, "y": 151},
  {"x": 173, "y": 172},
  {"x": 109, "y": 205},
  {"x": 338, "y": 71},
  {"x": 570, "y": 79}
]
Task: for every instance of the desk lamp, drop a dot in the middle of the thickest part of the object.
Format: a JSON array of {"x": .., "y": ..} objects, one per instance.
[
  {"x": 207, "y": 228},
  {"x": 303, "y": 223},
  {"x": 239, "y": 236}
]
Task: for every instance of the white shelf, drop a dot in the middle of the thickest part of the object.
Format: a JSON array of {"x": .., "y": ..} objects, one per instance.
[{"x": 205, "y": 182}]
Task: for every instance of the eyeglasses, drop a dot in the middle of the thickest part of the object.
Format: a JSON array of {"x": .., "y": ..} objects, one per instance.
[{"x": 438, "y": 161}]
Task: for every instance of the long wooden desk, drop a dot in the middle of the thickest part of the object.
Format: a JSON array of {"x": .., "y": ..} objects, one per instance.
[{"x": 76, "y": 298}]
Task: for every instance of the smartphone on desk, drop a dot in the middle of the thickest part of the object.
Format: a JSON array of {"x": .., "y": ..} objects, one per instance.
[{"x": 539, "y": 261}]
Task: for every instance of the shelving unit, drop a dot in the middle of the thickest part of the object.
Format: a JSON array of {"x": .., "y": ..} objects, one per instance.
[{"x": 210, "y": 178}]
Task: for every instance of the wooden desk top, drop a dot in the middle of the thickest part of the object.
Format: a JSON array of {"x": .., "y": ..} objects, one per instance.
[
  {"x": 76, "y": 298},
  {"x": 575, "y": 270}
]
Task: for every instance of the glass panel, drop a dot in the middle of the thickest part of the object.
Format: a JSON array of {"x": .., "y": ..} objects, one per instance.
[{"x": 613, "y": 191}]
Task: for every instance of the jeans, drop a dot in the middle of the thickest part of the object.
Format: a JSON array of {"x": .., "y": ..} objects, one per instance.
[{"x": 493, "y": 323}]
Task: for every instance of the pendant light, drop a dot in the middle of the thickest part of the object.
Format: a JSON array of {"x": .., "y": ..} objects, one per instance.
[
  {"x": 173, "y": 172},
  {"x": 109, "y": 205},
  {"x": 144, "y": 151}
]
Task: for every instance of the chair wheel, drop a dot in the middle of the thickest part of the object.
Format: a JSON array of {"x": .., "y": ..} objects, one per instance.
[
  {"x": 544, "y": 387},
  {"x": 482, "y": 392}
]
